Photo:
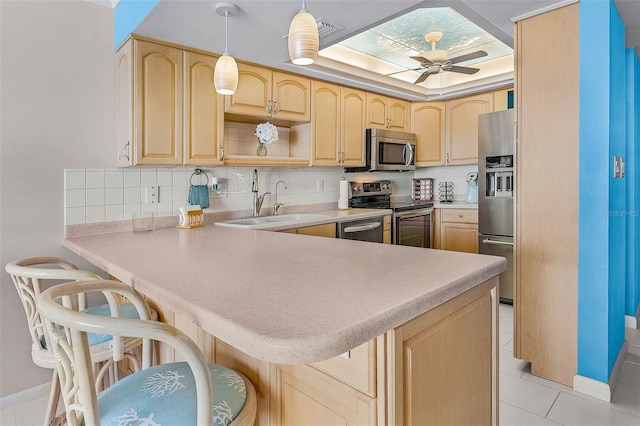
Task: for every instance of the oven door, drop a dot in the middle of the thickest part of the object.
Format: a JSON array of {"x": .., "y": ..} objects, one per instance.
[{"x": 414, "y": 228}]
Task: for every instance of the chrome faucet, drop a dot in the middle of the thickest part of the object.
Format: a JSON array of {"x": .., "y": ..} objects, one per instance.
[
  {"x": 277, "y": 205},
  {"x": 257, "y": 199}
]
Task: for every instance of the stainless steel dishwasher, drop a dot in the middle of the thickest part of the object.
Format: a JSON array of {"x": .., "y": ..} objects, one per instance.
[{"x": 362, "y": 230}]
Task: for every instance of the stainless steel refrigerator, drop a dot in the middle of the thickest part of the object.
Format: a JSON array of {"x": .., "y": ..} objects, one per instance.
[{"x": 496, "y": 190}]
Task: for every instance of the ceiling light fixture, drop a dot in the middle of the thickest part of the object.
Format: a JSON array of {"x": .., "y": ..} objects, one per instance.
[
  {"x": 303, "y": 38},
  {"x": 225, "y": 74}
]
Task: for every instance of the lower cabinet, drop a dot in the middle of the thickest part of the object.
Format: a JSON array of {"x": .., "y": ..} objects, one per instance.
[
  {"x": 420, "y": 373},
  {"x": 457, "y": 230},
  {"x": 324, "y": 230},
  {"x": 386, "y": 233}
]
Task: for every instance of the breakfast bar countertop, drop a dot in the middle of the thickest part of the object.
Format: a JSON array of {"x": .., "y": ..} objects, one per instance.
[{"x": 285, "y": 298}]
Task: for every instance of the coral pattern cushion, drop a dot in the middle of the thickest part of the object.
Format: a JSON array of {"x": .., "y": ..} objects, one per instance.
[
  {"x": 166, "y": 395},
  {"x": 127, "y": 310}
]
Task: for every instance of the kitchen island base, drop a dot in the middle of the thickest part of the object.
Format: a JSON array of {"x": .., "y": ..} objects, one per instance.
[{"x": 440, "y": 368}]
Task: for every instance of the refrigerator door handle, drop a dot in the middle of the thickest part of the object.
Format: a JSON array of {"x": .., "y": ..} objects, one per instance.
[{"x": 488, "y": 241}]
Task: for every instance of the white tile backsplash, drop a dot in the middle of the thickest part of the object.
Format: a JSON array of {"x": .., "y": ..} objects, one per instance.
[{"x": 95, "y": 195}]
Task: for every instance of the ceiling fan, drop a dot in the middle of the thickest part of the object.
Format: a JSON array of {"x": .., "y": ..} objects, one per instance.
[{"x": 436, "y": 61}]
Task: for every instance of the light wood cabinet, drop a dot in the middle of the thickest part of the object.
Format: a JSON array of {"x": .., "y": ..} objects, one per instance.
[
  {"x": 462, "y": 127},
  {"x": 456, "y": 230},
  {"x": 546, "y": 250},
  {"x": 386, "y": 233},
  {"x": 149, "y": 104},
  {"x": 270, "y": 94},
  {"x": 387, "y": 113},
  {"x": 428, "y": 123},
  {"x": 168, "y": 111},
  {"x": 324, "y": 230},
  {"x": 203, "y": 111},
  {"x": 435, "y": 369},
  {"x": 337, "y": 125}
]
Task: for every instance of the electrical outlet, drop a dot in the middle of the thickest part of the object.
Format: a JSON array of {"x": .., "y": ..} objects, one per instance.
[
  {"x": 151, "y": 194},
  {"x": 319, "y": 185}
]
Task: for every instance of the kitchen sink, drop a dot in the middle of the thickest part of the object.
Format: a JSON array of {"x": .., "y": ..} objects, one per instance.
[{"x": 265, "y": 221}]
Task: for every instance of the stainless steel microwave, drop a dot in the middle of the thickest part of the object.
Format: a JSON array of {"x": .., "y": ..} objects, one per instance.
[{"x": 388, "y": 150}]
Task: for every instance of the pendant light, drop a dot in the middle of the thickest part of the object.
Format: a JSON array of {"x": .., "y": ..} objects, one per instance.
[
  {"x": 303, "y": 38},
  {"x": 225, "y": 74}
]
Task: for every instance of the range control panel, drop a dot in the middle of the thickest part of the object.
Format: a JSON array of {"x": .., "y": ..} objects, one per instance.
[{"x": 361, "y": 189}]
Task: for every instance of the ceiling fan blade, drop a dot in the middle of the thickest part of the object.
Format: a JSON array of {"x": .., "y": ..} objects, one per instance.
[
  {"x": 468, "y": 57},
  {"x": 422, "y": 78},
  {"x": 398, "y": 72},
  {"x": 423, "y": 61},
  {"x": 463, "y": 70}
]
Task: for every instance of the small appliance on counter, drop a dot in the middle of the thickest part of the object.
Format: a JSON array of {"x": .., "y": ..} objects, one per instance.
[
  {"x": 472, "y": 188},
  {"x": 411, "y": 221},
  {"x": 445, "y": 190}
]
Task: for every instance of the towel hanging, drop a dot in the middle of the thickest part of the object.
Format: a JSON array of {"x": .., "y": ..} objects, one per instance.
[{"x": 198, "y": 194}]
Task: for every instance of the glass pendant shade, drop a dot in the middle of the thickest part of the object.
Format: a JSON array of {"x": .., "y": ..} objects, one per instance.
[
  {"x": 303, "y": 39},
  {"x": 225, "y": 75}
]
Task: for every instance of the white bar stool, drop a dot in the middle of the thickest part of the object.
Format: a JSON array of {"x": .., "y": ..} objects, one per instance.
[{"x": 29, "y": 276}]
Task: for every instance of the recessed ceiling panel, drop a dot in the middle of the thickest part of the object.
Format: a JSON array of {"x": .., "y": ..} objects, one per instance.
[{"x": 396, "y": 40}]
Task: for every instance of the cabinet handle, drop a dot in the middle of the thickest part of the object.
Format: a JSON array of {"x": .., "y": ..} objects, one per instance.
[
  {"x": 460, "y": 216},
  {"x": 126, "y": 151},
  {"x": 270, "y": 106},
  {"x": 275, "y": 107},
  {"x": 221, "y": 157},
  {"x": 447, "y": 160}
]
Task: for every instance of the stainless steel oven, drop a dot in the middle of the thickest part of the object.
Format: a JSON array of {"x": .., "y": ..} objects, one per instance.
[
  {"x": 413, "y": 227},
  {"x": 412, "y": 221}
]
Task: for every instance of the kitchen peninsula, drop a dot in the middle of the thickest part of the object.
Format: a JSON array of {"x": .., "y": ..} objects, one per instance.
[{"x": 330, "y": 331}]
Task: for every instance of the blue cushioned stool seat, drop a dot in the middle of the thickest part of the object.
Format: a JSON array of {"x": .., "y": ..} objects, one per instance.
[
  {"x": 127, "y": 310},
  {"x": 166, "y": 395}
]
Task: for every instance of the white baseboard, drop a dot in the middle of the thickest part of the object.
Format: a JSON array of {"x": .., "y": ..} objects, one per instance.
[
  {"x": 601, "y": 390},
  {"x": 24, "y": 396},
  {"x": 632, "y": 322}
]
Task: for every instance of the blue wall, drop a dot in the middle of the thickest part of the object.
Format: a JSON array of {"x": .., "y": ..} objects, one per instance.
[
  {"x": 633, "y": 186},
  {"x": 128, "y": 14},
  {"x": 602, "y": 218}
]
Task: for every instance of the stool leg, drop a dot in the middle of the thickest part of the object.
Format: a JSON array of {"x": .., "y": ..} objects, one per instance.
[{"x": 54, "y": 398}]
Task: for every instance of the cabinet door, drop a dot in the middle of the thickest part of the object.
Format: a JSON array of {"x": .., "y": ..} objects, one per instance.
[
  {"x": 398, "y": 114},
  {"x": 428, "y": 123},
  {"x": 353, "y": 118},
  {"x": 124, "y": 80},
  {"x": 305, "y": 396},
  {"x": 158, "y": 104},
  {"x": 325, "y": 124},
  {"x": 203, "y": 111},
  {"x": 459, "y": 237},
  {"x": 253, "y": 93},
  {"x": 376, "y": 111},
  {"x": 291, "y": 97},
  {"x": 325, "y": 230},
  {"x": 462, "y": 127}
]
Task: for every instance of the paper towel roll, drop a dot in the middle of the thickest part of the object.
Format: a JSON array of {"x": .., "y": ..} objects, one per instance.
[{"x": 343, "y": 201}]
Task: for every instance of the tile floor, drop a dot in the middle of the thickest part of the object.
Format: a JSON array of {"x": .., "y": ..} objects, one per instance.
[{"x": 525, "y": 400}]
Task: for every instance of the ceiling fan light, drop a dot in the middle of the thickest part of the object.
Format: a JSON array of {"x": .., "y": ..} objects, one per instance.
[
  {"x": 225, "y": 75},
  {"x": 303, "y": 39}
]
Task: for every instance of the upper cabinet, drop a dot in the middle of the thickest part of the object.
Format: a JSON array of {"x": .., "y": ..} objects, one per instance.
[
  {"x": 168, "y": 110},
  {"x": 462, "y": 127},
  {"x": 337, "y": 125},
  {"x": 270, "y": 95},
  {"x": 428, "y": 123},
  {"x": 203, "y": 109},
  {"x": 387, "y": 113}
]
